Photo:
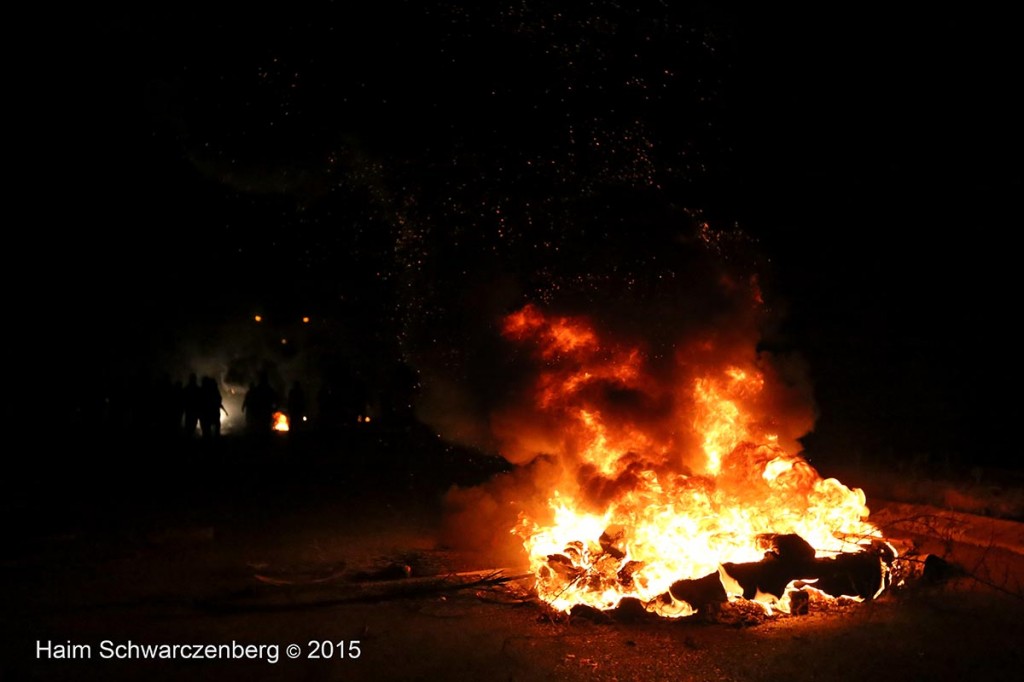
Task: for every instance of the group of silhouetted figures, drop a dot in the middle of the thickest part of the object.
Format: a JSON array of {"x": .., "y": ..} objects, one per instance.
[
  {"x": 201, "y": 405},
  {"x": 261, "y": 402},
  {"x": 193, "y": 409}
]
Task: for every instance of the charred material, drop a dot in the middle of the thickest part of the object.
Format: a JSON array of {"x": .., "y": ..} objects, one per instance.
[
  {"x": 858, "y": 575},
  {"x": 788, "y": 560},
  {"x": 850, "y": 575},
  {"x": 699, "y": 593}
]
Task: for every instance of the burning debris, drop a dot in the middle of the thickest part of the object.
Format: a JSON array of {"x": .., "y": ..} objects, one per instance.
[{"x": 676, "y": 482}]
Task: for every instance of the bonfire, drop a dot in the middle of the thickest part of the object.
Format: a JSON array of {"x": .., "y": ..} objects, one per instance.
[{"x": 677, "y": 475}]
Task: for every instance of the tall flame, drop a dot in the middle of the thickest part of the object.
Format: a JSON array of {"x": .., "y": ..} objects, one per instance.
[{"x": 645, "y": 502}]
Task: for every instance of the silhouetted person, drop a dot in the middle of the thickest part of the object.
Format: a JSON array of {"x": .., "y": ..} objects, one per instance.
[
  {"x": 296, "y": 406},
  {"x": 259, "y": 406},
  {"x": 251, "y": 394},
  {"x": 210, "y": 408},
  {"x": 192, "y": 404}
]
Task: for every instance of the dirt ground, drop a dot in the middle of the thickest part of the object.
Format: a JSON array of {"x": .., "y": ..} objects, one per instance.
[{"x": 176, "y": 562}]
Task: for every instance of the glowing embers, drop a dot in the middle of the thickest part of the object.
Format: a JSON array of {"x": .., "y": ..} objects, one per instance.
[
  {"x": 669, "y": 476},
  {"x": 280, "y": 422}
]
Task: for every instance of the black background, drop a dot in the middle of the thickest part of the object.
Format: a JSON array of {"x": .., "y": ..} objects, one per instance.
[{"x": 186, "y": 166}]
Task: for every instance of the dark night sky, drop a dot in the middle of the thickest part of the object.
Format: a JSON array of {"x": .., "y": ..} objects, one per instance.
[{"x": 378, "y": 166}]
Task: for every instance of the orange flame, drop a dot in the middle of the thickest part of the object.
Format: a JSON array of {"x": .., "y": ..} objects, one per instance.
[
  {"x": 664, "y": 480},
  {"x": 280, "y": 422}
]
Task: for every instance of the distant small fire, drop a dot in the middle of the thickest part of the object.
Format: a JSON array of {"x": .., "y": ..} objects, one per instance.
[
  {"x": 280, "y": 422},
  {"x": 675, "y": 473}
]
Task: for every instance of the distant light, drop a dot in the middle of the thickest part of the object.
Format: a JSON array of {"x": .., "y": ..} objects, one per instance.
[
  {"x": 258, "y": 318},
  {"x": 305, "y": 320},
  {"x": 284, "y": 342}
]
